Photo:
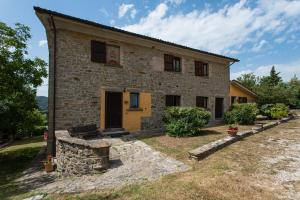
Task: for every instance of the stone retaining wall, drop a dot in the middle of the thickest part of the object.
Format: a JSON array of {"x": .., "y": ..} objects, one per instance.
[
  {"x": 78, "y": 156},
  {"x": 205, "y": 150}
]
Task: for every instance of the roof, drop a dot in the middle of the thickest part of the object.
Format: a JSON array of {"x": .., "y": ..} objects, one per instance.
[
  {"x": 45, "y": 11},
  {"x": 239, "y": 85}
]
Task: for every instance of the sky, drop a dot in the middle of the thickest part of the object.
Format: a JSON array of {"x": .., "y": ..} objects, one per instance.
[{"x": 259, "y": 33}]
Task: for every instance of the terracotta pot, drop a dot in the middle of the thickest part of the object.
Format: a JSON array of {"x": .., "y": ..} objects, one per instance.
[
  {"x": 232, "y": 131},
  {"x": 48, "y": 167}
]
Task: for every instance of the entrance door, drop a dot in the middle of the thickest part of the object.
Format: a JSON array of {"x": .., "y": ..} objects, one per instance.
[
  {"x": 113, "y": 110},
  {"x": 219, "y": 108}
]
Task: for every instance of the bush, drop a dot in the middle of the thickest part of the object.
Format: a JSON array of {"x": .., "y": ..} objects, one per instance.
[
  {"x": 275, "y": 111},
  {"x": 244, "y": 113},
  {"x": 185, "y": 121}
]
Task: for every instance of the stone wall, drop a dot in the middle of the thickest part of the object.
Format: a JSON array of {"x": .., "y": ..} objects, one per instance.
[
  {"x": 77, "y": 156},
  {"x": 80, "y": 81}
]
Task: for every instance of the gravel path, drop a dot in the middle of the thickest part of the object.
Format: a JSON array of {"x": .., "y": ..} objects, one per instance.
[{"x": 133, "y": 161}]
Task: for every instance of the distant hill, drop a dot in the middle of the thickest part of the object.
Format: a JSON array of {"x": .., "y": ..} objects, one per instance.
[{"x": 42, "y": 103}]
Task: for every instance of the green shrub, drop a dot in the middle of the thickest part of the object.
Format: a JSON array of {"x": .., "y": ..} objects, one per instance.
[
  {"x": 185, "y": 121},
  {"x": 266, "y": 110},
  {"x": 275, "y": 111},
  {"x": 279, "y": 110},
  {"x": 244, "y": 113}
]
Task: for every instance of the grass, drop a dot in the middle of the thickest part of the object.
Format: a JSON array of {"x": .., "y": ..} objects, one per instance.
[
  {"x": 14, "y": 159},
  {"x": 177, "y": 147}
]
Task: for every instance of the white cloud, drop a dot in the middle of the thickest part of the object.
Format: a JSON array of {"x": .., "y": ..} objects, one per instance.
[
  {"x": 222, "y": 31},
  {"x": 127, "y": 8},
  {"x": 257, "y": 47},
  {"x": 287, "y": 70},
  {"x": 43, "y": 43}
]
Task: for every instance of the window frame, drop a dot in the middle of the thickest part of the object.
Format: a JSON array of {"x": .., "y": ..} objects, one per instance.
[
  {"x": 173, "y": 61},
  {"x": 199, "y": 98},
  {"x": 138, "y": 100},
  {"x": 201, "y": 68},
  {"x": 102, "y": 56},
  {"x": 175, "y": 99}
]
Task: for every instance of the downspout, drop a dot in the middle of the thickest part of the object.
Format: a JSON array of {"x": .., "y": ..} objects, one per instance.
[{"x": 54, "y": 87}]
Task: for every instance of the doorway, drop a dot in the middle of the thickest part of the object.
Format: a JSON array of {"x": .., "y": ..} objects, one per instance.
[
  {"x": 219, "y": 108},
  {"x": 113, "y": 109}
]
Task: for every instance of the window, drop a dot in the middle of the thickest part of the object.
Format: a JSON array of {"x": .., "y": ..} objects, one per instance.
[
  {"x": 233, "y": 100},
  {"x": 134, "y": 100},
  {"x": 172, "y": 63},
  {"x": 105, "y": 53},
  {"x": 201, "y": 68},
  {"x": 242, "y": 99},
  {"x": 172, "y": 100},
  {"x": 98, "y": 52},
  {"x": 201, "y": 102}
]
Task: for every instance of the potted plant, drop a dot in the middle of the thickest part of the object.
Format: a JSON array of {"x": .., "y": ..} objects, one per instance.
[
  {"x": 48, "y": 164},
  {"x": 232, "y": 130}
]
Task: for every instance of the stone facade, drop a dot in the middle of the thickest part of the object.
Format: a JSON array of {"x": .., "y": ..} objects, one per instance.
[
  {"x": 80, "y": 82},
  {"x": 77, "y": 156}
]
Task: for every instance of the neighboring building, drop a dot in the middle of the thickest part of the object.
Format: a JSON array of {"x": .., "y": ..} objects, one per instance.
[
  {"x": 241, "y": 94},
  {"x": 114, "y": 78}
]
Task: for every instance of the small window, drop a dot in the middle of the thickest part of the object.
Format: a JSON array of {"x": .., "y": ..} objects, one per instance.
[
  {"x": 172, "y": 63},
  {"x": 201, "y": 102},
  {"x": 98, "y": 52},
  {"x": 233, "y": 99},
  {"x": 242, "y": 99},
  {"x": 134, "y": 100},
  {"x": 201, "y": 68},
  {"x": 105, "y": 53},
  {"x": 172, "y": 100}
]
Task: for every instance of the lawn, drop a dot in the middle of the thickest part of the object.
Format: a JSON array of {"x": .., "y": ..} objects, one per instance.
[
  {"x": 14, "y": 159},
  {"x": 235, "y": 172},
  {"x": 178, "y": 147}
]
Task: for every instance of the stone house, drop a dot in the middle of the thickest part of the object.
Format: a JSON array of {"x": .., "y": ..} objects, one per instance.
[
  {"x": 114, "y": 78},
  {"x": 241, "y": 94}
]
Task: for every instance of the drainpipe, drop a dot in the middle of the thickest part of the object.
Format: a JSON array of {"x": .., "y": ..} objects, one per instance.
[{"x": 54, "y": 88}]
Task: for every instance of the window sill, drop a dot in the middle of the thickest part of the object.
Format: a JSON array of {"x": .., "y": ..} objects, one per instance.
[
  {"x": 173, "y": 72},
  {"x": 135, "y": 109},
  {"x": 113, "y": 65},
  {"x": 206, "y": 77}
]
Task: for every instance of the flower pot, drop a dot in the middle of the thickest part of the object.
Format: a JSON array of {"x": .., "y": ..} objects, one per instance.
[
  {"x": 232, "y": 131},
  {"x": 48, "y": 167}
]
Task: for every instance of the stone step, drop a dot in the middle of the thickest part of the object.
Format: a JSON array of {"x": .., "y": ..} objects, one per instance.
[
  {"x": 113, "y": 129},
  {"x": 115, "y": 133}
]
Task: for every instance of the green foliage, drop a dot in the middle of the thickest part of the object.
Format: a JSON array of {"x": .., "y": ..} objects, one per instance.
[
  {"x": 244, "y": 113},
  {"x": 185, "y": 121},
  {"x": 271, "y": 89},
  {"x": 249, "y": 80},
  {"x": 42, "y": 103},
  {"x": 275, "y": 111},
  {"x": 19, "y": 78}
]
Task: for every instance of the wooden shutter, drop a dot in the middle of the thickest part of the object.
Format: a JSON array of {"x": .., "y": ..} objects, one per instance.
[
  {"x": 98, "y": 52},
  {"x": 201, "y": 102},
  {"x": 201, "y": 69},
  {"x": 172, "y": 100},
  {"x": 168, "y": 62}
]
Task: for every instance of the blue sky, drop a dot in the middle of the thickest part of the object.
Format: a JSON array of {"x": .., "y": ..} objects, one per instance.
[{"x": 260, "y": 33}]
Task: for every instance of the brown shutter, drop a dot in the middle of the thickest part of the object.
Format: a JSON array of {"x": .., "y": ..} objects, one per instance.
[
  {"x": 98, "y": 52},
  {"x": 168, "y": 62}
]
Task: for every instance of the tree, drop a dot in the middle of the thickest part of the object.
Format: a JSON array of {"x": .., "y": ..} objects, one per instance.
[
  {"x": 272, "y": 80},
  {"x": 248, "y": 80},
  {"x": 19, "y": 78}
]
